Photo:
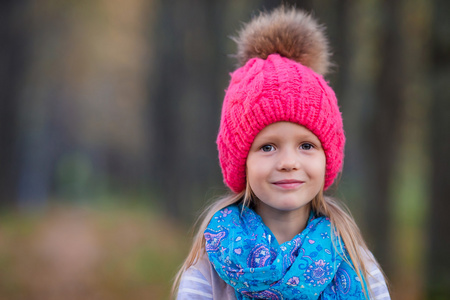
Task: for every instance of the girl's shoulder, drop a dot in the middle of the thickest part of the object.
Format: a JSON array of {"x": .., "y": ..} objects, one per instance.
[
  {"x": 376, "y": 279},
  {"x": 201, "y": 281}
]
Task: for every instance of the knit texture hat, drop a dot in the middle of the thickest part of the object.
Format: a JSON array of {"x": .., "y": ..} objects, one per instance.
[{"x": 282, "y": 53}]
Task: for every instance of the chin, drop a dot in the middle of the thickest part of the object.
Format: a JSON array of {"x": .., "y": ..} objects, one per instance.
[{"x": 292, "y": 206}]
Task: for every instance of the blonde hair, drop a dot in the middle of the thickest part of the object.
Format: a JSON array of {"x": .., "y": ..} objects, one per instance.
[{"x": 342, "y": 224}]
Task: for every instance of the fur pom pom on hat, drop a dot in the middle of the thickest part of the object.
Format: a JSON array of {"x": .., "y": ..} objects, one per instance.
[
  {"x": 283, "y": 54},
  {"x": 291, "y": 33}
]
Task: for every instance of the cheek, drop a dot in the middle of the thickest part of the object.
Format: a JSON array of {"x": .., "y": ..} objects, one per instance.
[
  {"x": 256, "y": 173},
  {"x": 319, "y": 167},
  {"x": 251, "y": 165},
  {"x": 253, "y": 174}
]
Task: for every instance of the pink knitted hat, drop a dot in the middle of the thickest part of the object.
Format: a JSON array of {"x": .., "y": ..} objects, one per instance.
[{"x": 283, "y": 53}]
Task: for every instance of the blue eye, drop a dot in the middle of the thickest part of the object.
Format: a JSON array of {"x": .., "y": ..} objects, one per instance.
[
  {"x": 306, "y": 146},
  {"x": 267, "y": 148}
]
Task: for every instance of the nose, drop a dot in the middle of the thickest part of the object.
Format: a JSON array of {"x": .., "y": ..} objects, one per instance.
[{"x": 288, "y": 161}]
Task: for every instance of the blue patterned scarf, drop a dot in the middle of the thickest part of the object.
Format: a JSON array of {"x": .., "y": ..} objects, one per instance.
[{"x": 247, "y": 256}]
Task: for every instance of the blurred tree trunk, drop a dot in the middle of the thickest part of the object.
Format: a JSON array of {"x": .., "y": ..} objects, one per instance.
[
  {"x": 186, "y": 101},
  {"x": 14, "y": 38},
  {"x": 344, "y": 50},
  {"x": 382, "y": 138},
  {"x": 165, "y": 101},
  {"x": 409, "y": 186},
  {"x": 439, "y": 248},
  {"x": 303, "y": 4}
]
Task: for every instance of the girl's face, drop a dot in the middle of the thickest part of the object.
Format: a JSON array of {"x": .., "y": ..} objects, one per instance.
[{"x": 285, "y": 167}]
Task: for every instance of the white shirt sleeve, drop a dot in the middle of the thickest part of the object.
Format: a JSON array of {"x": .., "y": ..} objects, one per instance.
[
  {"x": 194, "y": 286},
  {"x": 376, "y": 280},
  {"x": 201, "y": 281}
]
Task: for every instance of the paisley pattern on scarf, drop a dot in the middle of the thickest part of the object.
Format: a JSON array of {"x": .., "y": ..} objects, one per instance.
[{"x": 247, "y": 256}]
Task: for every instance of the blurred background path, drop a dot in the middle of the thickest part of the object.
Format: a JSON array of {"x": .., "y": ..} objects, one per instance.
[{"x": 86, "y": 253}]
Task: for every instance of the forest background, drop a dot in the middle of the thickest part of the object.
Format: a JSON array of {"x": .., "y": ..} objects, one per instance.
[{"x": 109, "y": 112}]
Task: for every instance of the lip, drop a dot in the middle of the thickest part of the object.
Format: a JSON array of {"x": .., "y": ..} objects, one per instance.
[{"x": 288, "y": 184}]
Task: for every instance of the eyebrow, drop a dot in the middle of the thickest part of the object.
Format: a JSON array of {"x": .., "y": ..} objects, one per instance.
[{"x": 306, "y": 136}]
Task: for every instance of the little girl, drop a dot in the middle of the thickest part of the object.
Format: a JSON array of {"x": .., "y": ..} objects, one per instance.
[{"x": 281, "y": 145}]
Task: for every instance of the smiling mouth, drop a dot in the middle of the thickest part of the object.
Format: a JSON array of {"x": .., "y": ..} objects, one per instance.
[{"x": 288, "y": 183}]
